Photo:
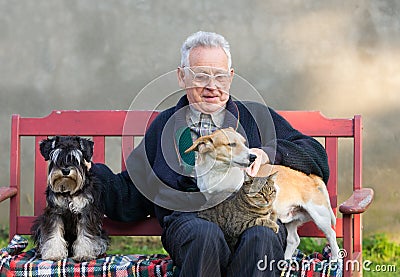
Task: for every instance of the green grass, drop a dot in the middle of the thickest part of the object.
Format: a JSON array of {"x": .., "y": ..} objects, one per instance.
[
  {"x": 119, "y": 245},
  {"x": 383, "y": 253},
  {"x": 380, "y": 253},
  {"x": 136, "y": 245}
]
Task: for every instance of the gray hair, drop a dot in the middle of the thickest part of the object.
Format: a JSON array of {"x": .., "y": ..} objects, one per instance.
[{"x": 206, "y": 39}]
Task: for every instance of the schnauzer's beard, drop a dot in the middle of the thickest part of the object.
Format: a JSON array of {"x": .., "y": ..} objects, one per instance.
[{"x": 70, "y": 183}]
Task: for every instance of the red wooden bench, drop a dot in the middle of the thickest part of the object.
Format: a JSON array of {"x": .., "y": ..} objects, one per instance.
[{"x": 100, "y": 125}]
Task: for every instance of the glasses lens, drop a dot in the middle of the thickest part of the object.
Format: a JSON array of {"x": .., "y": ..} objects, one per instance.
[
  {"x": 222, "y": 79},
  {"x": 203, "y": 79}
]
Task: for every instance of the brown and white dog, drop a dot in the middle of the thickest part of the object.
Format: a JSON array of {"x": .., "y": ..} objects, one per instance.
[{"x": 300, "y": 198}]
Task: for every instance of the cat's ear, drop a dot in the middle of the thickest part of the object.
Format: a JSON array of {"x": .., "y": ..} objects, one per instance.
[
  {"x": 256, "y": 184},
  {"x": 202, "y": 145},
  {"x": 273, "y": 176}
]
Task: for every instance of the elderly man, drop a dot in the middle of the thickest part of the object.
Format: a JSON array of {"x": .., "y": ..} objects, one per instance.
[{"x": 159, "y": 169}]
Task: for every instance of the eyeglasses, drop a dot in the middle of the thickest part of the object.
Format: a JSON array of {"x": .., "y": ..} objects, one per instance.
[{"x": 202, "y": 79}]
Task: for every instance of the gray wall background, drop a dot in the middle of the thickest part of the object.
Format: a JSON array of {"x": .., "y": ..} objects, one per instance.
[{"x": 339, "y": 57}]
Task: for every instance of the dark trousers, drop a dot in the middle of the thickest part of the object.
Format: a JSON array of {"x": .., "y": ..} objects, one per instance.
[{"x": 198, "y": 248}]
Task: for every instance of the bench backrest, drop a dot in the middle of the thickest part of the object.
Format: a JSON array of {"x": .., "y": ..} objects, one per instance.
[{"x": 99, "y": 125}]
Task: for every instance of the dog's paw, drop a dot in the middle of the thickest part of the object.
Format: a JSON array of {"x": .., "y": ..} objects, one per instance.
[
  {"x": 83, "y": 253},
  {"x": 54, "y": 254},
  {"x": 86, "y": 249},
  {"x": 54, "y": 249},
  {"x": 50, "y": 257}
]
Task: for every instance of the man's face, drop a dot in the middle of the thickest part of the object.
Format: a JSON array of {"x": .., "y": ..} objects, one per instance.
[{"x": 207, "y": 94}]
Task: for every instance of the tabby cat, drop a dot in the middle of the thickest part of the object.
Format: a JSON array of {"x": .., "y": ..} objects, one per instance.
[{"x": 250, "y": 206}]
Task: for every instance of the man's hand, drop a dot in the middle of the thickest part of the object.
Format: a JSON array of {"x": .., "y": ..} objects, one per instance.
[
  {"x": 262, "y": 158},
  {"x": 88, "y": 164}
]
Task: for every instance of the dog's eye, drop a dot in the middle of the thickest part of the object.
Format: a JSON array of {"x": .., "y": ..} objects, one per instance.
[{"x": 233, "y": 144}]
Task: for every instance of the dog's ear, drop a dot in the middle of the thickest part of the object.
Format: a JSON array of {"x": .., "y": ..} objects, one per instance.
[
  {"x": 46, "y": 146},
  {"x": 202, "y": 145},
  {"x": 86, "y": 148}
]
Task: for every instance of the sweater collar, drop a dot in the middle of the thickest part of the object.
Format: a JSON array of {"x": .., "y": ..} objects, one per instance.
[{"x": 231, "y": 116}]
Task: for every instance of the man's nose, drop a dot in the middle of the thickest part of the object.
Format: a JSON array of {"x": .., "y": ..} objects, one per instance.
[{"x": 211, "y": 84}]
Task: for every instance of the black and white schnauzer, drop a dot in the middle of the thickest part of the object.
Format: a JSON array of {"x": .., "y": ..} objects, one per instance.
[{"x": 71, "y": 225}]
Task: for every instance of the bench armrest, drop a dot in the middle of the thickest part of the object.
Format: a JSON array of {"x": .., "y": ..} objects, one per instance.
[
  {"x": 358, "y": 201},
  {"x": 7, "y": 192}
]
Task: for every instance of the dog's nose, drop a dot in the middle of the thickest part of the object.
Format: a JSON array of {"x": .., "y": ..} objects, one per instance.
[
  {"x": 252, "y": 158},
  {"x": 65, "y": 171}
]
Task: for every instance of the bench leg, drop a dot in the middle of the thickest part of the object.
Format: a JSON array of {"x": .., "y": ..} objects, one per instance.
[
  {"x": 352, "y": 263},
  {"x": 347, "y": 243}
]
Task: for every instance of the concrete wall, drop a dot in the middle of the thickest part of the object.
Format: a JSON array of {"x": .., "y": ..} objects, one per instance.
[{"x": 340, "y": 57}]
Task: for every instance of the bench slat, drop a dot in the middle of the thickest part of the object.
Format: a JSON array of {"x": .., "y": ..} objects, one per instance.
[
  {"x": 321, "y": 125},
  {"x": 40, "y": 178},
  {"x": 147, "y": 227},
  {"x": 99, "y": 155},
  {"x": 87, "y": 123},
  {"x": 309, "y": 229}
]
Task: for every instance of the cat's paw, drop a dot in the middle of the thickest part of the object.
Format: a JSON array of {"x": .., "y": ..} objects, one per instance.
[{"x": 275, "y": 227}]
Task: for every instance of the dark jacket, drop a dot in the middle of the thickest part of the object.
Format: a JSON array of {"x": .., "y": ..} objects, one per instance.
[{"x": 154, "y": 166}]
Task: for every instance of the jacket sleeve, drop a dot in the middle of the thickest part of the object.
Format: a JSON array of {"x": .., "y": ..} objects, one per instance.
[
  {"x": 298, "y": 151},
  {"x": 122, "y": 194},
  {"x": 122, "y": 200}
]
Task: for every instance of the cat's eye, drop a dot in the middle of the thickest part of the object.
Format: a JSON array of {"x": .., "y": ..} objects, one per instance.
[{"x": 233, "y": 144}]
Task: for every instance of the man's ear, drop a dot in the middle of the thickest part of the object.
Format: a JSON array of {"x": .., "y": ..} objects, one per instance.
[
  {"x": 202, "y": 145},
  {"x": 181, "y": 77},
  {"x": 46, "y": 146},
  {"x": 86, "y": 148}
]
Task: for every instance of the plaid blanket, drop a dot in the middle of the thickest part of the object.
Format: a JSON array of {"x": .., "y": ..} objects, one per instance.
[
  {"x": 314, "y": 265},
  {"x": 15, "y": 262}
]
